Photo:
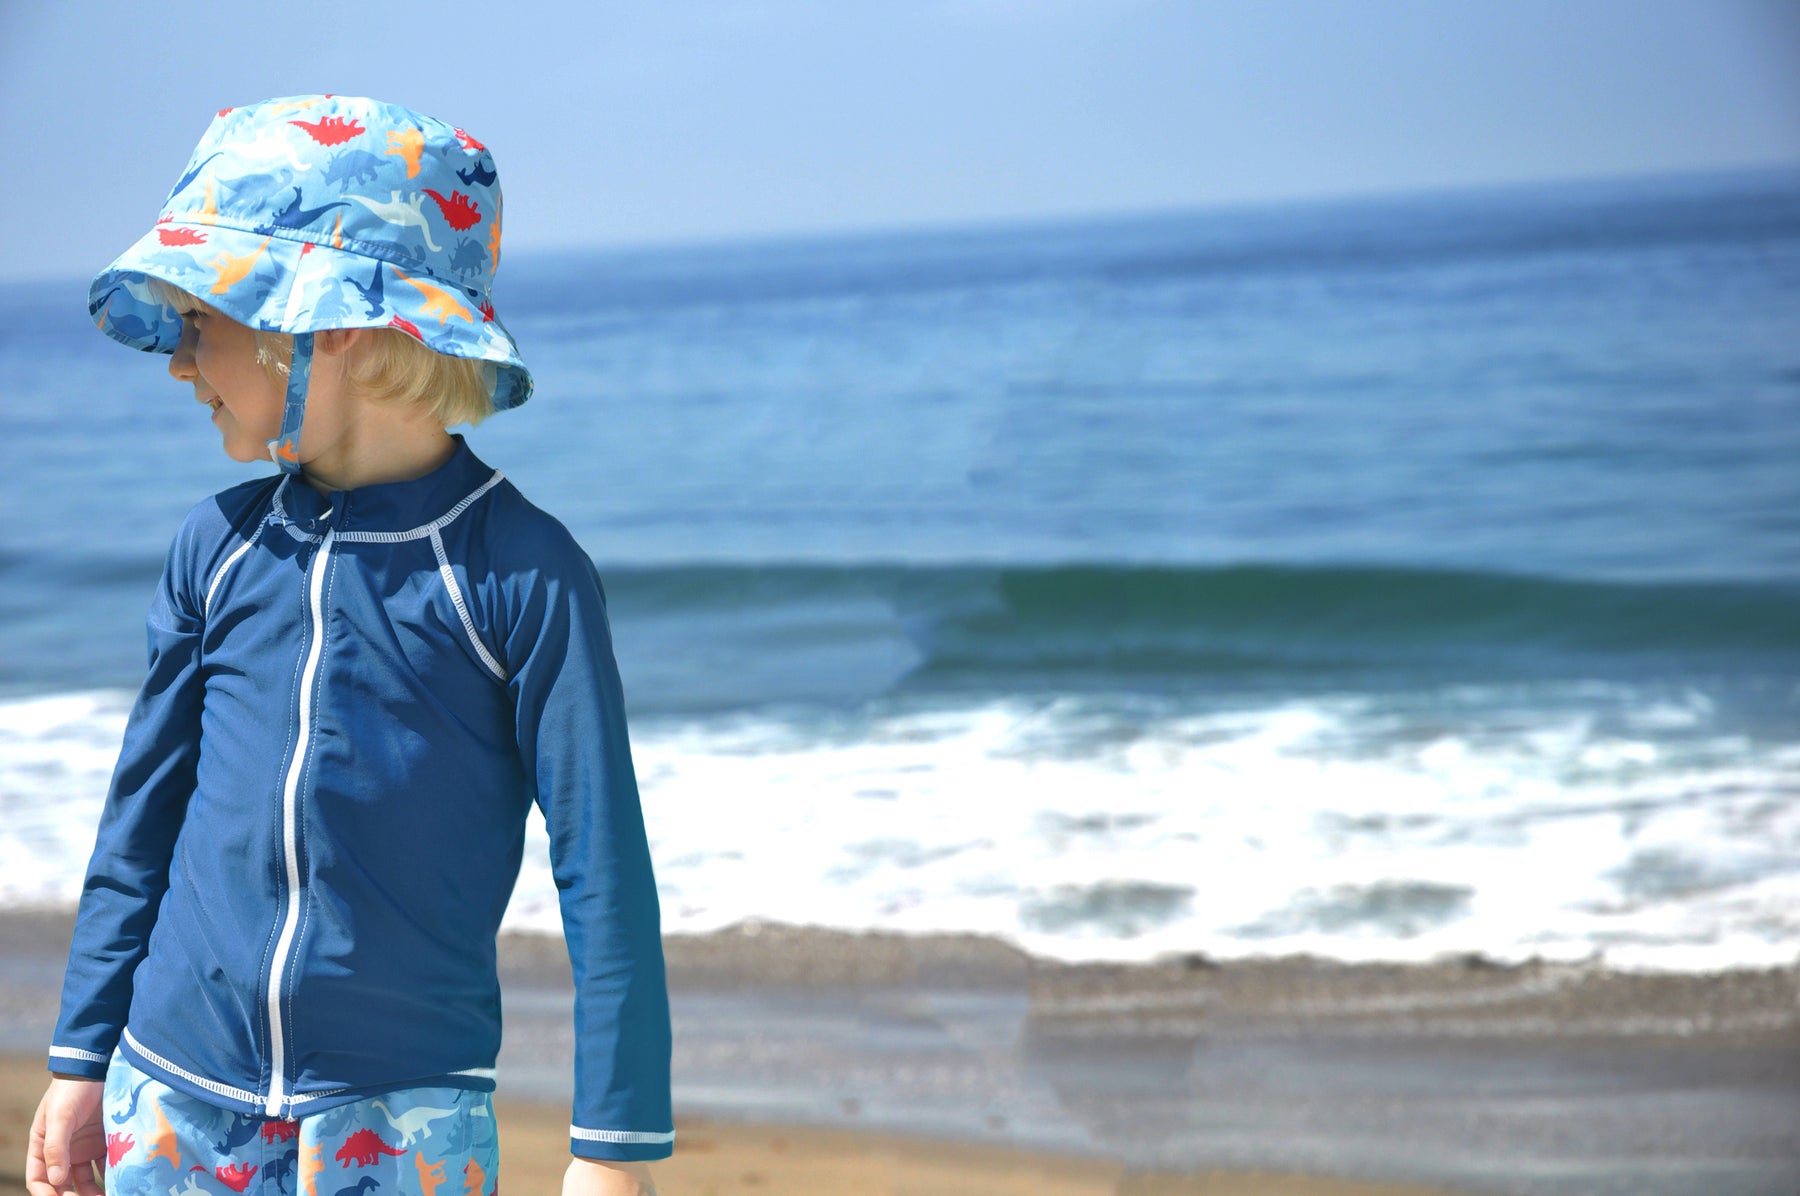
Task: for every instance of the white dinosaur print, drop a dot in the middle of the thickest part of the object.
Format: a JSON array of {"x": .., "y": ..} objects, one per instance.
[
  {"x": 415, "y": 1124},
  {"x": 270, "y": 150},
  {"x": 396, "y": 212},
  {"x": 193, "y": 1188}
]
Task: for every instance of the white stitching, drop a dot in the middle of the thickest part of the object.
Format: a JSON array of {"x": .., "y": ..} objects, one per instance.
[
  {"x": 424, "y": 529},
  {"x": 190, "y": 1077},
  {"x": 462, "y": 609},
  {"x": 206, "y": 607},
  {"x": 576, "y": 1131},
  {"x": 77, "y": 1053}
]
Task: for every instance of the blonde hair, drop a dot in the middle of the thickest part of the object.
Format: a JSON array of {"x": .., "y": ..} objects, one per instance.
[{"x": 392, "y": 368}]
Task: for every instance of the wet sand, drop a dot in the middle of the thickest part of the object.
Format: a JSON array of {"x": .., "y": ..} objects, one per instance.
[{"x": 810, "y": 1061}]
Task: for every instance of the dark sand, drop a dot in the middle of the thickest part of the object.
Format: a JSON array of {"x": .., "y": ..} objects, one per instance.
[{"x": 810, "y": 1061}]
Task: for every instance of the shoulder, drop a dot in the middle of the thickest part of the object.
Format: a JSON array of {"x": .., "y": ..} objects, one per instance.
[
  {"x": 517, "y": 537},
  {"x": 226, "y": 513},
  {"x": 218, "y": 525}
]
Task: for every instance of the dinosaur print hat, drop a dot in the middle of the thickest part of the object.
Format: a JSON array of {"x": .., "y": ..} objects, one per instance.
[{"x": 316, "y": 212}]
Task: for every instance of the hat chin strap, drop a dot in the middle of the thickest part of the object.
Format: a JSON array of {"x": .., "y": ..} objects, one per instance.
[{"x": 284, "y": 450}]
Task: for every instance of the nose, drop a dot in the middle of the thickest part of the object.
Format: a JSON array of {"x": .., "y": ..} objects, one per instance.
[{"x": 181, "y": 362}]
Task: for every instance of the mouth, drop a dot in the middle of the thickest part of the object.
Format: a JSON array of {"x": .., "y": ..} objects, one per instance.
[{"x": 214, "y": 404}]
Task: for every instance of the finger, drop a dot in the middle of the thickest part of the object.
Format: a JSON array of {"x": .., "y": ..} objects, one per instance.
[
  {"x": 85, "y": 1183},
  {"x": 56, "y": 1146},
  {"x": 37, "y": 1174}
]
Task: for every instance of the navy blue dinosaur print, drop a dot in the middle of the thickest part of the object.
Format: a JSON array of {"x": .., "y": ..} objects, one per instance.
[
  {"x": 470, "y": 257},
  {"x": 243, "y": 1128},
  {"x": 373, "y": 293},
  {"x": 481, "y": 173},
  {"x": 193, "y": 174},
  {"x": 352, "y": 165},
  {"x": 279, "y": 1168},
  {"x": 360, "y": 1186},
  {"x": 294, "y": 216},
  {"x": 131, "y": 1109}
]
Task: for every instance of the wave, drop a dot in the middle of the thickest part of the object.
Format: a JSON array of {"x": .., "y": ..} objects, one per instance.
[
  {"x": 1253, "y": 618},
  {"x": 859, "y": 629}
]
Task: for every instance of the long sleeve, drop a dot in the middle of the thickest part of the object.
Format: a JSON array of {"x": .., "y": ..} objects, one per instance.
[
  {"x": 573, "y": 744},
  {"x": 129, "y": 870}
]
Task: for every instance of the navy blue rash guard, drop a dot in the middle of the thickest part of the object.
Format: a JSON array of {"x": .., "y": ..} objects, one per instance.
[{"x": 319, "y": 811}]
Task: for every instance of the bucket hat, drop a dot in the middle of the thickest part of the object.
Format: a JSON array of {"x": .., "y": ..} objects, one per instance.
[{"x": 310, "y": 213}]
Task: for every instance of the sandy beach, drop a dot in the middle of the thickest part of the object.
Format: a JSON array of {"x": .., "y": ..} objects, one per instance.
[{"x": 813, "y": 1062}]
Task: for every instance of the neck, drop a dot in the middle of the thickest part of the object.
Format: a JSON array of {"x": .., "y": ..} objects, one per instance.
[{"x": 374, "y": 455}]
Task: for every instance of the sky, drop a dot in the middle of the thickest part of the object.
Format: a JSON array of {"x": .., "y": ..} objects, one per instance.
[{"x": 685, "y": 121}]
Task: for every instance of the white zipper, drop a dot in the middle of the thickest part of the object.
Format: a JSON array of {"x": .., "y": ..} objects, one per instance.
[{"x": 290, "y": 846}]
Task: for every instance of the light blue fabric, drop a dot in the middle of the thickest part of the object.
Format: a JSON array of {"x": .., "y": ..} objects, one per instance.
[
  {"x": 409, "y": 1142},
  {"x": 315, "y": 212}
]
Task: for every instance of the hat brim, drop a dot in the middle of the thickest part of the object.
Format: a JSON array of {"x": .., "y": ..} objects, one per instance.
[{"x": 268, "y": 281}]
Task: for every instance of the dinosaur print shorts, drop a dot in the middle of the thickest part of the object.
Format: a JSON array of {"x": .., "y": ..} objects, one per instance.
[{"x": 415, "y": 1142}]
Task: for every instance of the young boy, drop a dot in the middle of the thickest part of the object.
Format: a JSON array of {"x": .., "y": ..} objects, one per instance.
[{"x": 363, "y": 671}]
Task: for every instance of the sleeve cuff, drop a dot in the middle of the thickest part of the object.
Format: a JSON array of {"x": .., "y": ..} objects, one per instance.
[
  {"x": 620, "y": 1146},
  {"x": 73, "y": 1061}
]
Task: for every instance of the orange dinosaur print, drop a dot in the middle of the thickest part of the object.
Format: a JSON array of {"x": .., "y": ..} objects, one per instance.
[
  {"x": 430, "y": 1174},
  {"x": 302, "y": 106},
  {"x": 180, "y": 236},
  {"x": 469, "y": 143},
  {"x": 337, "y": 232},
  {"x": 473, "y": 1179},
  {"x": 408, "y": 144},
  {"x": 438, "y": 301},
  {"x": 118, "y": 1144},
  {"x": 236, "y": 1177},
  {"x": 494, "y": 245},
  {"x": 312, "y": 1162},
  {"x": 286, "y": 451},
  {"x": 163, "y": 1143},
  {"x": 332, "y": 130},
  {"x": 459, "y": 212},
  {"x": 364, "y": 1148},
  {"x": 233, "y": 268},
  {"x": 280, "y": 1131},
  {"x": 208, "y": 211}
]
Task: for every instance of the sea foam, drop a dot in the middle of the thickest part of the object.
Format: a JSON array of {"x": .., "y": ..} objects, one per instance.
[{"x": 1594, "y": 823}]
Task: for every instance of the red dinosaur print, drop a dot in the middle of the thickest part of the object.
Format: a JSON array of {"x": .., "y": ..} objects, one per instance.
[
  {"x": 487, "y": 313},
  {"x": 363, "y": 1148},
  {"x": 116, "y": 1146},
  {"x": 226, "y": 111},
  {"x": 180, "y": 236},
  {"x": 165, "y": 217},
  {"x": 280, "y": 1131},
  {"x": 459, "y": 213},
  {"x": 306, "y": 247},
  {"x": 236, "y": 1177},
  {"x": 407, "y": 326},
  {"x": 469, "y": 143},
  {"x": 331, "y": 130}
]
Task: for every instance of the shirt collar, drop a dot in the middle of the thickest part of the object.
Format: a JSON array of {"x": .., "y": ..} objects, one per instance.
[{"x": 386, "y": 506}]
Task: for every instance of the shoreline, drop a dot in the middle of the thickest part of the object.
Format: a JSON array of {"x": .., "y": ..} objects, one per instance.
[{"x": 1460, "y": 1075}]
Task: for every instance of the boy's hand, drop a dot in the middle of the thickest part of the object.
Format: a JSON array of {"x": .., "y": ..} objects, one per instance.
[
  {"x": 67, "y": 1136},
  {"x": 593, "y": 1177}
]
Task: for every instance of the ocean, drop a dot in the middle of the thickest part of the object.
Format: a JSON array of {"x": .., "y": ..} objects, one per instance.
[{"x": 1379, "y": 579}]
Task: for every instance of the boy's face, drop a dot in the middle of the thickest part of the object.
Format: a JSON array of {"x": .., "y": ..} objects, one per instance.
[{"x": 218, "y": 356}]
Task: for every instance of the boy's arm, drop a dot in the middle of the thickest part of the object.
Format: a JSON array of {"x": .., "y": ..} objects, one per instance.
[
  {"x": 572, "y": 740},
  {"x": 129, "y": 870}
]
